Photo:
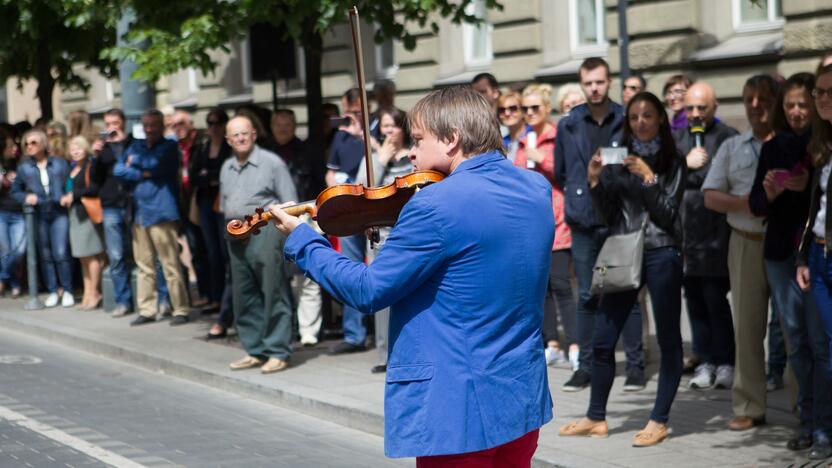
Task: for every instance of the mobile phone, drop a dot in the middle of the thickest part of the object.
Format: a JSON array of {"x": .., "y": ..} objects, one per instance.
[
  {"x": 336, "y": 122},
  {"x": 613, "y": 155},
  {"x": 381, "y": 138}
]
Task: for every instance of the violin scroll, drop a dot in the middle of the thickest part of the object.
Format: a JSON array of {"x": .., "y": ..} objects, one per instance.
[{"x": 251, "y": 224}]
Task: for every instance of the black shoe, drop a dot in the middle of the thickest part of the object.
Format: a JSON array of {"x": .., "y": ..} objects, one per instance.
[
  {"x": 379, "y": 369},
  {"x": 216, "y": 336},
  {"x": 635, "y": 381},
  {"x": 344, "y": 348},
  {"x": 178, "y": 320},
  {"x": 141, "y": 320},
  {"x": 821, "y": 449},
  {"x": 580, "y": 380},
  {"x": 801, "y": 442}
]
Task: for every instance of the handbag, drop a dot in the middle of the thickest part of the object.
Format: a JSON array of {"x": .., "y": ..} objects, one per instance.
[
  {"x": 92, "y": 205},
  {"x": 618, "y": 266}
]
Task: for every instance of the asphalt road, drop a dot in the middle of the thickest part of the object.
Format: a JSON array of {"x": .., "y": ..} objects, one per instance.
[{"x": 60, "y": 407}]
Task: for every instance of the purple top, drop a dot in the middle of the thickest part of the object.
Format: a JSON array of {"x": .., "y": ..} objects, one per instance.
[{"x": 680, "y": 120}]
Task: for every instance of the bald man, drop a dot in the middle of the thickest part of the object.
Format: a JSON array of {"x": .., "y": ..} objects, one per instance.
[
  {"x": 256, "y": 178},
  {"x": 705, "y": 245}
]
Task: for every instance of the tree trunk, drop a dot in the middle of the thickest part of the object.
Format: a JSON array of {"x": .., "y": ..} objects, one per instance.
[
  {"x": 46, "y": 83},
  {"x": 313, "y": 54}
]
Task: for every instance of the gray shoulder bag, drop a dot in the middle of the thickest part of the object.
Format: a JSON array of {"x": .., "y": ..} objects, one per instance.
[{"x": 618, "y": 266}]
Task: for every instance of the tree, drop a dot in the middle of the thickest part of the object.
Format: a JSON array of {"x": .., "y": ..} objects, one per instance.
[
  {"x": 44, "y": 39},
  {"x": 181, "y": 34}
]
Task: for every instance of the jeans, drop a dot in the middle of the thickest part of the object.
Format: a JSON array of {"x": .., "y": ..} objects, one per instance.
[
  {"x": 776, "y": 341},
  {"x": 355, "y": 332},
  {"x": 710, "y": 315},
  {"x": 808, "y": 346},
  {"x": 560, "y": 301},
  {"x": 12, "y": 246},
  {"x": 820, "y": 270},
  {"x": 55, "y": 264},
  {"x": 585, "y": 248},
  {"x": 117, "y": 240},
  {"x": 213, "y": 228},
  {"x": 662, "y": 272}
]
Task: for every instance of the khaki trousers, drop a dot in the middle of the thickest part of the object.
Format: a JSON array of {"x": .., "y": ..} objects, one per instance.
[
  {"x": 749, "y": 301},
  {"x": 159, "y": 241}
]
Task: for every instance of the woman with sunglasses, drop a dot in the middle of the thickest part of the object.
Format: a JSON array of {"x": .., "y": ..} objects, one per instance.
[
  {"x": 780, "y": 195},
  {"x": 206, "y": 161},
  {"x": 674, "y": 98},
  {"x": 40, "y": 182},
  {"x": 536, "y": 151},
  {"x": 815, "y": 264},
  {"x": 508, "y": 110},
  {"x": 644, "y": 192}
]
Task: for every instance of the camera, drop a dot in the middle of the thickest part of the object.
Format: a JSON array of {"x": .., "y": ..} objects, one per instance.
[{"x": 105, "y": 134}]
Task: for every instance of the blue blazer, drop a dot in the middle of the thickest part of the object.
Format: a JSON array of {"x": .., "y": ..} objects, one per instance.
[
  {"x": 28, "y": 181},
  {"x": 465, "y": 271}
]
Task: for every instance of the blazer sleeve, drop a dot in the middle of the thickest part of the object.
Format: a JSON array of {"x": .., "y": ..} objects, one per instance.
[
  {"x": 411, "y": 255},
  {"x": 19, "y": 189},
  {"x": 757, "y": 199},
  {"x": 559, "y": 166}
]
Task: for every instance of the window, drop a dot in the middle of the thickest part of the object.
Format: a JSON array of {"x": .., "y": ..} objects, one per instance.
[
  {"x": 586, "y": 26},
  {"x": 758, "y": 15},
  {"x": 477, "y": 38},
  {"x": 386, "y": 59}
]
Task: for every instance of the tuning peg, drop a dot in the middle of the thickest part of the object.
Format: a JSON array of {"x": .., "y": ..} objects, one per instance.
[
  {"x": 248, "y": 218},
  {"x": 258, "y": 210}
]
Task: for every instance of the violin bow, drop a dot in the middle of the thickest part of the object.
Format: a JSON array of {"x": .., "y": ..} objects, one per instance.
[{"x": 365, "y": 110}]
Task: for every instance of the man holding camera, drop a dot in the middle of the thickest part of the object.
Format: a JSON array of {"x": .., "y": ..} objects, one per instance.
[{"x": 587, "y": 128}]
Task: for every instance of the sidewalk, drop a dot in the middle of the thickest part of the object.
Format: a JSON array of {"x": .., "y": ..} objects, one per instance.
[{"x": 342, "y": 390}]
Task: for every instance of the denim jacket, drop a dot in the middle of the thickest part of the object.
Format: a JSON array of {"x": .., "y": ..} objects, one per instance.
[
  {"x": 153, "y": 174},
  {"x": 28, "y": 181}
]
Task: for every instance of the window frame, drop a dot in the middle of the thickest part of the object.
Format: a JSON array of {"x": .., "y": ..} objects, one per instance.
[
  {"x": 600, "y": 48},
  {"x": 772, "y": 21},
  {"x": 469, "y": 34},
  {"x": 382, "y": 71}
]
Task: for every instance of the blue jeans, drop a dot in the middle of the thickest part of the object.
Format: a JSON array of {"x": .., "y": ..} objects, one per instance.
[
  {"x": 355, "y": 332},
  {"x": 12, "y": 246},
  {"x": 117, "y": 240},
  {"x": 808, "y": 346},
  {"x": 585, "y": 248},
  {"x": 53, "y": 236},
  {"x": 820, "y": 270},
  {"x": 662, "y": 273},
  {"x": 776, "y": 342},
  {"x": 710, "y": 318},
  {"x": 213, "y": 226}
]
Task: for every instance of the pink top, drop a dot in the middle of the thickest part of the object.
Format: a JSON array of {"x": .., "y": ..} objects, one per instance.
[{"x": 546, "y": 144}]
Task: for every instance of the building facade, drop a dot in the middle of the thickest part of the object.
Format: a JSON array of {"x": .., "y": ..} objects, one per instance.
[{"x": 719, "y": 41}]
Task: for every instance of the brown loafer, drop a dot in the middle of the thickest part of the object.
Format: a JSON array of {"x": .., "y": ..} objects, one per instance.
[
  {"x": 586, "y": 428},
  {"x": 646, "y": 438},
  {"x": 245, "y": 363},
  {"x": 744, "y": 423},
  {"x": 274, "y": 365}
]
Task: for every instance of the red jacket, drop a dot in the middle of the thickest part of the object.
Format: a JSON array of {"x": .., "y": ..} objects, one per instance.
[{"x": 546, "y": 143}]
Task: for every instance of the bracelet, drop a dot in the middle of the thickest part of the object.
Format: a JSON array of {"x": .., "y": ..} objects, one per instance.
[{"x": 650, "y": 182}]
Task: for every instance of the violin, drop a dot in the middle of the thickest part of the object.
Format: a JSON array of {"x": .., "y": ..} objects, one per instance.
[{"x": 349, "y": 209}]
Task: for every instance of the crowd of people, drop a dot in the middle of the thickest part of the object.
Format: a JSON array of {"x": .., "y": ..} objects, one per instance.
[{"x": 736, "y": 224}]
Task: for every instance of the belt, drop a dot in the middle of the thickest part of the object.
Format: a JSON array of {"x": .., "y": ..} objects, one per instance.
[
  {"x": 820, "y": 240},
  {"x": 755, "y": 236}
]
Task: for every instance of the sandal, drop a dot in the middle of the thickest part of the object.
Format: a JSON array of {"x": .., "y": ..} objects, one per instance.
[
  {"x": 586, "y": 428},
  {"x": 646, "y": 438}
]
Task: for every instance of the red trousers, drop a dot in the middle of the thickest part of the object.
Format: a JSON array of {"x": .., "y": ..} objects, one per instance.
[{"x": 515, "y": 454}]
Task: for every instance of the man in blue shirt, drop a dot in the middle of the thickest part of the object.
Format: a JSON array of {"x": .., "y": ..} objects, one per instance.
[
  {"x": 464, "y": 271},
  {"x": 151, "y": 167}
]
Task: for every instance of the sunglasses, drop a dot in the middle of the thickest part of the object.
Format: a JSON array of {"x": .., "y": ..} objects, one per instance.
[
  {"x": 31, "y": 143},
  {"x": 632, "y": 87},
  {"x": 508, "y": 109},
  {"x": 820, "y": 93},
  {"x": 535, "y": 108}
]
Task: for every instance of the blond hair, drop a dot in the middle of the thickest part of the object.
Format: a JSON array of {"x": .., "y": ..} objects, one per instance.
[
  {"x": 80, "y": 141},
  {"x": 565, "y": 91},
  {"x": 541, "y": 90},
  {"x": 510, "y": 94}
]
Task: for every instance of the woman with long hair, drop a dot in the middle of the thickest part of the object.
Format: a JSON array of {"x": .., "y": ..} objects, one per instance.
[
  {"x": 12, "y": 224},
  {"x": 644, "y": 192},
  {"x": 41, "y": 182},
  {"x": 86, "y": 238},
  {"x": 537, "y": 152},
  {"x": 814, "y": 271}
]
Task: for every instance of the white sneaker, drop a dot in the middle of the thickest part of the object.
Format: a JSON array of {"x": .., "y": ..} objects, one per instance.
[
  {"x": 51, "y": 300},
  {"x": 703, "y": 377},
  {"x": 67, "y": 300},
  {"x": 308, "y": 340},
  {"x": 573, "y": 359},
  {"x": 724, "y": 376},
  {"x": 554, "y": 356}
]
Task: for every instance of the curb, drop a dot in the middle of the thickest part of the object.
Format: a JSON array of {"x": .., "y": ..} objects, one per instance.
[{"x": 352, "y": 417}]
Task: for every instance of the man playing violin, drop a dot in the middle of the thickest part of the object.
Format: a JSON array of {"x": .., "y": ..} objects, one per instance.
[{"x": 464, "y": 271}]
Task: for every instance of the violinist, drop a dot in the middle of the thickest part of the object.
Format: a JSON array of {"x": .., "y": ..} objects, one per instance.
[
  {"x": 464, "y": 272},
  {"x": 251, "y": 178}
]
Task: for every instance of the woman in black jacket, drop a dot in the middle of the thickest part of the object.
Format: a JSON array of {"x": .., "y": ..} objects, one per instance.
[{"x": 646, "y": 190}]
